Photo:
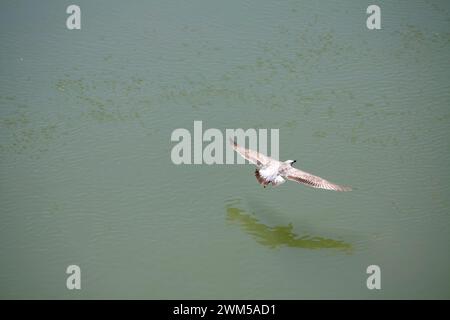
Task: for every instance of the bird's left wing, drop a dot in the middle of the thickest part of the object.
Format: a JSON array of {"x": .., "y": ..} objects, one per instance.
[
  {"x": 254, "y": 157},
  {"x": 312, "y": 181}
]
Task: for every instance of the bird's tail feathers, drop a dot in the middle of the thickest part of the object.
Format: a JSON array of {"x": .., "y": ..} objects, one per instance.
[{"x": 260, "y": 178}]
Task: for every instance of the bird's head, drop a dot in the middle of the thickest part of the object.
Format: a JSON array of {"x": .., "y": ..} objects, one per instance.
[{"x": 290, "y": 162}]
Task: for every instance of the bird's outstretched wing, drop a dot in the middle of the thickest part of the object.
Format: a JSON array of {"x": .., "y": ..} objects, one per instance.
[
  {"x": 254, "y": 157},
  {"x": 312, "y": 181}
]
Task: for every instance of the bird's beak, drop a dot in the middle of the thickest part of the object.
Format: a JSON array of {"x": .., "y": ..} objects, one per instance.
[{"x": 294, "y": 161}]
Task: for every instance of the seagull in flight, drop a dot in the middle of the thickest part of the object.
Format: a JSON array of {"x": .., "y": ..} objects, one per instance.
[{"x": 271, "y": 171}]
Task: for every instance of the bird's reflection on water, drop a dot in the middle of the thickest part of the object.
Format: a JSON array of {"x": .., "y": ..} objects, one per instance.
[{"x": 278, "y": 236}]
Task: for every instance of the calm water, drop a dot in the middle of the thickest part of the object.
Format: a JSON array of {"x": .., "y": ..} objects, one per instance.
[{"x": 85, "y": 170}]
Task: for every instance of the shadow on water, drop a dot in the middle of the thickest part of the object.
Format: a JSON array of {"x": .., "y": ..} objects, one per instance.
[{"x": 278, "y": 236}]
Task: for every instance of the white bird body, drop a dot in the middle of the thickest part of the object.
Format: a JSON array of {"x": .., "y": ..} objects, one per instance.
[{"x": 271, "y": 171}]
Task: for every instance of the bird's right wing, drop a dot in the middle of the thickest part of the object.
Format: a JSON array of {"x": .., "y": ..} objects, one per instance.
[
  {"x": 254, "y": 157},
  {"x": 313, "y": 181}
]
